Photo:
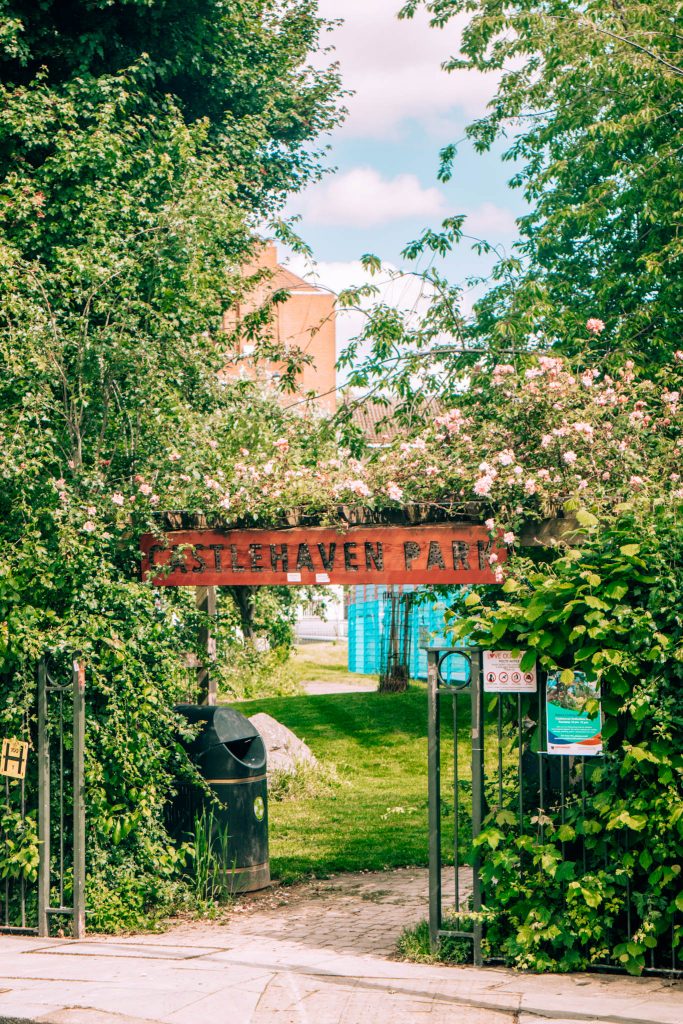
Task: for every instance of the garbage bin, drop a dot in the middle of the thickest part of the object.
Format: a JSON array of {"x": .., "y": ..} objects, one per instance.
[{"x": 231, "y": 756}]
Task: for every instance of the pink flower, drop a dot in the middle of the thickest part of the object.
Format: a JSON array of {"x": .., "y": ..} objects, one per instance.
[
  {"x": 225, "y": 501},
  {"x": 394, "y": 491},
  {"x": 530, "y": 486},
  {"x": 498, "y": 574},
  {"x": 63, "y": 496},
  {"x": 60, "y": 484},
  {"x": 506, "y": 458},
  {"x": 678, "y": 355},
  {"x": 569, "y": 458},
  {"x": 89, "y": 527},
  {"x": 282, "y": 444},
  {"x": 174, "y": 457},
  {"x": 71, "y": 464},
  {"x": 490, "y": 524},
  {"x": 509, "y": 537},
  {"x": 212, "y": 444},
  {"x": 594, "y": 325},
  {"x": 483, "y": 485},
  {"x": 117, "y": 498},
  {"x": 91, "y": 511},
  {"x": 493, "y": 558},
  {"x": 360, "y": 488},
  {"x": 546, "y": 440},
  {"x": 584, "y": 428},
  {"x": 145, "y": 489},
  {"x": 154, "y": 499},
  {"x": 185, "y": 478},
  {"x": 636, "y": 482}
]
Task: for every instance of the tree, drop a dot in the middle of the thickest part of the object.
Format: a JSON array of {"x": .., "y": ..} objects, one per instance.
[
  {"x": 138, "y": 145},
  {"x": 589, "y": 100}
]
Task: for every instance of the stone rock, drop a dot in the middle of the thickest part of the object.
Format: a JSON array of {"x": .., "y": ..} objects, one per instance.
[{"x": 285, "y": 750}]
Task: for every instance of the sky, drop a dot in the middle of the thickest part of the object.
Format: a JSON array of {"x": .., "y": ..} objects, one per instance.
[{"x": 384, "y": 190}]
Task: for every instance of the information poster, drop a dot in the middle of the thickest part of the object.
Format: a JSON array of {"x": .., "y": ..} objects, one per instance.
[
  {"x": 571, "y": 730},
  {"x": 503, "y": 673}
]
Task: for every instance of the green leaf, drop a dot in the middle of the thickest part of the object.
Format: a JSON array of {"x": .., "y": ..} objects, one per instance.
[
  {"x": 585, "y": 518},
  {"x": 630, "y": 550}
]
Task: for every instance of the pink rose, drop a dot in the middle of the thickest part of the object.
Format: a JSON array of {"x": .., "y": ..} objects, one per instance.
[{"x": 595, "y": 325}]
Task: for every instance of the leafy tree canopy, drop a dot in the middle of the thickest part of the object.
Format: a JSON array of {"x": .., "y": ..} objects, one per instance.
[{"x": 590, "y": 102}]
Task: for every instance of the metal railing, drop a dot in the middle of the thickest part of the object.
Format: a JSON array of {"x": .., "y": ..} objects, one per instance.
[
  {"x": 48, "y": 804},
  {"x": 535, "y": 788}
]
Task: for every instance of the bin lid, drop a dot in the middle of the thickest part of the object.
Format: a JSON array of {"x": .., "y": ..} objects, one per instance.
[{"x": 223, "y": 725}]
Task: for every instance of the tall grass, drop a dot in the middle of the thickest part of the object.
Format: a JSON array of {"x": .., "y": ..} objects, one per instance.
[{"x": 211, "y": 869}]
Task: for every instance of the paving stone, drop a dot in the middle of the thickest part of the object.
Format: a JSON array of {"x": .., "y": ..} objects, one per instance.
[{"x": 318, "y": 953}]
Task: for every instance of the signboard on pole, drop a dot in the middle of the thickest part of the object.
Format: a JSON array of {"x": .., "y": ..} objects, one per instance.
[
  {"x": 571, "y": 730},
  {"x": 503, "y": 673}
]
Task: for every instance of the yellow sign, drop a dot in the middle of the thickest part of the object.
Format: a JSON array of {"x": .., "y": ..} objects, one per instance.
[{"x": 13, "y": 758}]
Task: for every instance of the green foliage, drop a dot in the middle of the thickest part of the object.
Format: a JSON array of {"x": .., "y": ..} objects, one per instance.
[
  {"x": 611, "y": 608},
  {"x": 588, "y": 102},
  {"x": 139, "y": 142},
  {"x": 413, "y": 944}
]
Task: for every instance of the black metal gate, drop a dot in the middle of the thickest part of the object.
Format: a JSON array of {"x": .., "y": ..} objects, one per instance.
[
  {"x": 533, "y": 787},
  {"x": 45, "y": 807}
]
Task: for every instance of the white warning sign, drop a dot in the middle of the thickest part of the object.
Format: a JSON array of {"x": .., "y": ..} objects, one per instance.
[{"x": 503, "y": 674}]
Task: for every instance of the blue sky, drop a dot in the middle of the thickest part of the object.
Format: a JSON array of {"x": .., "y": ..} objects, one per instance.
[{"x": 384, "y": 190}]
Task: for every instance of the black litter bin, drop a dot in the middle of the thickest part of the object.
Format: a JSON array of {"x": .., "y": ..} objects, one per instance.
[{"x": 231, "y": 756}]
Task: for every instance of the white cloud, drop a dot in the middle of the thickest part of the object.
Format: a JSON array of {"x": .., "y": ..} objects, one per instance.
[
  {"x": 361, "y": 197},
  {"x": 491, "y": 222},
  {"x": 394, "y": 67}
]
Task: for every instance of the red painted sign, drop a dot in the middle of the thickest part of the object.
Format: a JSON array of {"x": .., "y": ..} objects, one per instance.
[{"x": 312, "y": 555}]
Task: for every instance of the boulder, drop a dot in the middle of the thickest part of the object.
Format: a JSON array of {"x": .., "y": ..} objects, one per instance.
[{"x": 285, "y": 750}]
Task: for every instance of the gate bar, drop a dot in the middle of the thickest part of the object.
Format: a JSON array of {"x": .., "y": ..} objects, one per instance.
[
  {"x": 79, "y": 798},
  {"x": 43, "y": 803}
]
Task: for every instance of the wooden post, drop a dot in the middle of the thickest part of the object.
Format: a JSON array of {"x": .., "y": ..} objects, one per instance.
[{"x": 206, "y": 681}]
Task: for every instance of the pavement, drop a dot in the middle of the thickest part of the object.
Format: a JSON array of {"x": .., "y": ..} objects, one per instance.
[
  {"x": 317, "y": 953},
  {"x": 317, "y": 688}
]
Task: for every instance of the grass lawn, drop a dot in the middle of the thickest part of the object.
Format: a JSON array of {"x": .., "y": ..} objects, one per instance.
[
  {"x": 323, "y": 662},
  {"x": 377, "y": 817}
]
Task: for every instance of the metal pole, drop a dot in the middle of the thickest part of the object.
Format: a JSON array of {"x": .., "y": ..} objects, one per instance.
[
  {"x": 434, "y": 791},
  {"x": 79, "y": 798},
  {"x": 43, "y": 803},
  {"x": 477, "y": 698}
]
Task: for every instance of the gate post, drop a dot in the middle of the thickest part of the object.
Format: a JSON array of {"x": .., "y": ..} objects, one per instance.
[
  {"x": 477, "y": 698},
  {"x": 79, "y": 798},
  {"x": 43, "y": 803},
  {"x": 434, "y": 796}
]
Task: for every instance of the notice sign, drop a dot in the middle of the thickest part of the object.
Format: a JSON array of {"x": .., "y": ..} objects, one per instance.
[
  {"x": 503, "y": 674},
  {"x": 571, "y": 730},
  {"x": 442, "y": 553},
  {"x": 13, "y": 758}
]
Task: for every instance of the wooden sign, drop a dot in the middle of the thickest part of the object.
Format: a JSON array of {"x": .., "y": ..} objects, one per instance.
[
  {"x": 306, "y": 556},
  {"x": 13, "y": 758}
]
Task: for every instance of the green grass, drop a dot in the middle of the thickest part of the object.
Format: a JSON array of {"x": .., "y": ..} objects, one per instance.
[
  {"x": 377, "y": 817},
  {"x": 323, "y": 662}
]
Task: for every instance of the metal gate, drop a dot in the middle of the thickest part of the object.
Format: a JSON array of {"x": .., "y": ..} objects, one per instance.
[
  {"x": 47, "y": 805},
  {"x": 530, "y": 785}
]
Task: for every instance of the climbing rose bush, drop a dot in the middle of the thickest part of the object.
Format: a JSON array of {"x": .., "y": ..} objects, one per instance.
[{"x": 523, "y": 441}]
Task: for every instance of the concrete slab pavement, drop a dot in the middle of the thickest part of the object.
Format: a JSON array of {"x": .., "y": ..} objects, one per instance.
[{"x": 315, "y": 954}]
